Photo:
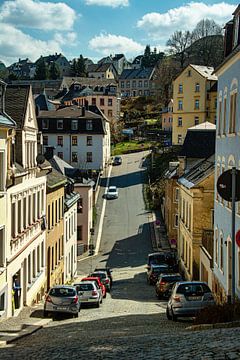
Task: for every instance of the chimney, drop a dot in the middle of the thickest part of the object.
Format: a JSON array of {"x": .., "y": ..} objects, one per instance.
[
  {"x": 83, "y": 111},
  {"x": 2, "y": 96},
  {"x": 182, "y": 165}
]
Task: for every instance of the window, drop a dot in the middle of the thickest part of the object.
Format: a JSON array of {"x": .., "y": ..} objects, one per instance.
[
  {"x": 180, "y": 88},
  {"x": 219, "y": 118},
  {"x": 60, "y": 154},
  {"x": 74, "y": 140},
  {"x": 60, "y": 140},
  {"x": 45, "y": 123},
  {"x": 89, "y": 140},
  {"x": 89, "y": 125},
  {"x": 93, "y": 101},
  {"x": 145, "y": 83},
  {"x": 45, "y": 140},
  {"x": 189, "y": 74},
  {"x": 110, "y": 113},
  {"x": 176, "y": 220},
  {"x": 179, "y": 121},
  {"x": 109, "y": 102},
  {"x": 80, "y": 205},
  {"x": 215, "y": 103},
  {"x": 232, "y": 117},
  {"x": 196, "y": 104},
  {"x": 2, "y": 248},
  {"x": 79, "y": 232},
  {"x": 176, "y": 194},
  {"x": 197, "y": 87},
  {"x": 89, "y": 156},
  {"x": 59, "y": 124},
  {"x": 224, "y": 116},
  {"x": 101, "y": 101},
  {"x": 179, "y": 139},
  {"x": 74, "y": 157},
  {"x": 122, "y": 84},
  {"x": 180, "y": 104},
  {"x": 236, "y": 30},
  {"x": 196, "y": 120},
  {"x": 221, "y": 253},
  {"x": 74, "y": 125},
  {"x": 216, "y": 247},
  {"x": 134, "y": 84},
  {"x": 140, "y": 83},
  {"x": 128, "y": 84}
]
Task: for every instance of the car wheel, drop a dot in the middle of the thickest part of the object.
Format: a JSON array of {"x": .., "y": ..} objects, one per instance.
[
  {"x": 174, "y": 317},
  {"x": 98, "y": 304},
  {"x": 168, "y": 314},
  {"x": 75, "y": 315},
  {"x": 45, "y": 313},
  {"x": 101, "y": 301}
]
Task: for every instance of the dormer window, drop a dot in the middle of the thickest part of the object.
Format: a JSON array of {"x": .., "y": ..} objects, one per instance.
[
  {"x": 236, "y": 30},
  {"x": 60, "y": 124},
  {"x": 89, "y": 125},
  {"x": 45, "y": 123}
]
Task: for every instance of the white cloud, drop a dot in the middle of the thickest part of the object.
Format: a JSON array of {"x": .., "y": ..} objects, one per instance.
[
  {"x": 66, "y": 38},
  {"x": 160, "y": 26},
  {"x": 111, "y": 3},
  {"x": 107, "y": 44},
  {"x": 37, "y": 14},
  {"x": 15, "y": 44}
]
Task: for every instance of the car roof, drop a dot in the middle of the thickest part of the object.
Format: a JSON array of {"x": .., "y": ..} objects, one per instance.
[
  {"x": 90, "y": 278},
  {"x": 117, "y": 157},
  {"x": 191, "y": 282},
  {"x": 62, "y": 287},
  {"x": 99, "y": 271},
  {"x": 112, "y": 187},
  {"x": 171, "y": 274},
  {"x": 159, "y": 266},
  {"x": 84, "y": 283}
]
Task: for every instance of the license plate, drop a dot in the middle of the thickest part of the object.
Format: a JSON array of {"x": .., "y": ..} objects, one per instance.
[
  {"x": 194, "y": 298},
  {"x": 60, "y": 307}
]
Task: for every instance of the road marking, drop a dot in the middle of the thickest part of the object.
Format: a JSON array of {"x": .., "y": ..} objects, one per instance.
[{"x": 102, "y": 215}]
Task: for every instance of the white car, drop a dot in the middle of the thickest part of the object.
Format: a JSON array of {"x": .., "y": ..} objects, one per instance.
[
  {"x": 112, "y": 192},
  {"x": 89, "y": 293}
]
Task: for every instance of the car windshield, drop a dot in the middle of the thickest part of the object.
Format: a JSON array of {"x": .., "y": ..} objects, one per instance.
[
  {"x": 190, "y": 289},
  {"x": 62, "y": 292},
  {"x": 171, "y": 278},
  {"x": 159, "y": 270},
  {"x": 84, "y": 287},
  {"x": 101, "y": 275},
  {"x": 112, "y": 190}
]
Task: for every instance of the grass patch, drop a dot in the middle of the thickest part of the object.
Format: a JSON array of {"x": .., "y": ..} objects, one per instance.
[{"x": 127, "y": 147}]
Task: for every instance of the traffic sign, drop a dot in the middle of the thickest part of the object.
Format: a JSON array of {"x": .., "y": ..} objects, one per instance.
[
  {"x": 238, "y": 238},
  {"x": 224, "y": 185}
]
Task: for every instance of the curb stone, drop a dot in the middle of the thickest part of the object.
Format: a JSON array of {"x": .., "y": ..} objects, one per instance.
[
  {"x": 213, "y": 326},
  {"x": 26, "y": 331}
]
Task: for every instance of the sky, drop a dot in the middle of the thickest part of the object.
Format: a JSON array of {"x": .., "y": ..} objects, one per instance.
[{"x": 96, "y": 28}]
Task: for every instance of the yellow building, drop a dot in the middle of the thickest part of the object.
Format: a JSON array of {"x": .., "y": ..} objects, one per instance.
[
  {"x": 194, "y": 100},
  {"x": 55, "y": 228},
  {"x": 196, "y": 204}
]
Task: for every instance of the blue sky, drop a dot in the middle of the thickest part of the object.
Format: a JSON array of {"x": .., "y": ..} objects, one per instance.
[{"x": 96, "y": 28}]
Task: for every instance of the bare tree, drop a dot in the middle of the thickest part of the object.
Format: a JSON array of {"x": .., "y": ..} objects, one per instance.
[
  {"x": 206, "y": 28},
  {"x": 178, "y": 44}
]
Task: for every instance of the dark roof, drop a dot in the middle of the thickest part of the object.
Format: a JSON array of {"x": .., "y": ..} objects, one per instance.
[
  {"x": 137, "y": 59},
  {"x": 199, "y": 144},
  {"x": 234, "y": 52},
  {"x": 55, "y": 179},
  {"x": 16, "y": 102},
  {"x": 41, "y": 101},
  {"x": 73, "y": 112},
  {"x": 118, "y": 56},
  {"x": 136, "y": 73},
  {"x": 102, "y": 67},
  {"x": 214, "y": 87},
  {"x": 198, "y": 172}
]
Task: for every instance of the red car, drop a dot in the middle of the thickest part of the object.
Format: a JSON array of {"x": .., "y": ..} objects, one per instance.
[{"x": 98, "y": 281}]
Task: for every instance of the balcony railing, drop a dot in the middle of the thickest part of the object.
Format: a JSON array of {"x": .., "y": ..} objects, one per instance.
[{"x": 207, "y": 241}]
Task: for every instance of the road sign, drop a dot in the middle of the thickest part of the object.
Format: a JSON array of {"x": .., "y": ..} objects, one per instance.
[
  {"x": 238, "y": 238},
  {"x": 224, "y": 185},
  {"x": 173, "y": 242}
]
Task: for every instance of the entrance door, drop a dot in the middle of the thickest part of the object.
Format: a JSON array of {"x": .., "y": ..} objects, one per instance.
[
  {"x": 229, "y": 259},
  {"x": 24, "y": 282},
  {"x": 48, "y": 267}
]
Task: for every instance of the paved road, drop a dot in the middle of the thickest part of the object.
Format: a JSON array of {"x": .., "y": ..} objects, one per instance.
[{"x": 131, "y": 322}]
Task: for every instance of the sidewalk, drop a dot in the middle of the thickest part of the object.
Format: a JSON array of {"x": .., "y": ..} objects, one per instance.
[
  {"x": 158, "y": 232},
  {"x": 29, "y": 320}
]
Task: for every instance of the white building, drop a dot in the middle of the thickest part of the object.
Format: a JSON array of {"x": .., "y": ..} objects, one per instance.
[
  {"x": 7, "y": 133},
  {"x": 26, "y": 197},
  {"x": 78, "y": 136}
]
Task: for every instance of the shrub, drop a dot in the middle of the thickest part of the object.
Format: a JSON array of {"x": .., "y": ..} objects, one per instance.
[{"x": 218, "y": 314}]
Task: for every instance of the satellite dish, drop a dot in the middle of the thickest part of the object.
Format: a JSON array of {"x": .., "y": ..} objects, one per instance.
[{"x": 40, "y": 159}]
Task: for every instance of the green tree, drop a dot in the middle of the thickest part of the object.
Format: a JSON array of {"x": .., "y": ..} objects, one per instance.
[
  {"x": 74, "y": 67},
  {"x": 54, "y": 71},
  {"x": 178, "y": 44},
  {"x": 80, "y": 66},
  {"x": 41, "y": 70},
  {"x": 146, "y": 57}
]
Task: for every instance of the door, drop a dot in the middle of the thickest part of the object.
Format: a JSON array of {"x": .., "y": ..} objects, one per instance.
[
  {"x": 24, "y": 283},
  {"x": 48, "y": 267}
]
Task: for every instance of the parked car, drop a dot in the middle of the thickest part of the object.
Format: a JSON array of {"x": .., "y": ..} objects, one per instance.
[
  {"x": 165, "y": 283},
  {"x": 188, "y": 298},
  {"x": 104, "y": 278},
  {"x": 98, "y": 283},
  {"x": 154, "y": 272},
  {"x": 167, "y": 257},
  {"x": 117, "y": 160},
  {"x": 62, "y": 299},
  {"x": 109, "y": 273},
  {"x": 89, "y": 293},
  {"x": 112, "y": 192}
]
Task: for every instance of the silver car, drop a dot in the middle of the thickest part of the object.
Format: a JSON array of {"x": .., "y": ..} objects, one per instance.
[
  {"x": 62, "y": 299},
  {"x": 89, "y": 293},
  {"x": 112, "y": 192},
  {"x": 188, "y": 298}
]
